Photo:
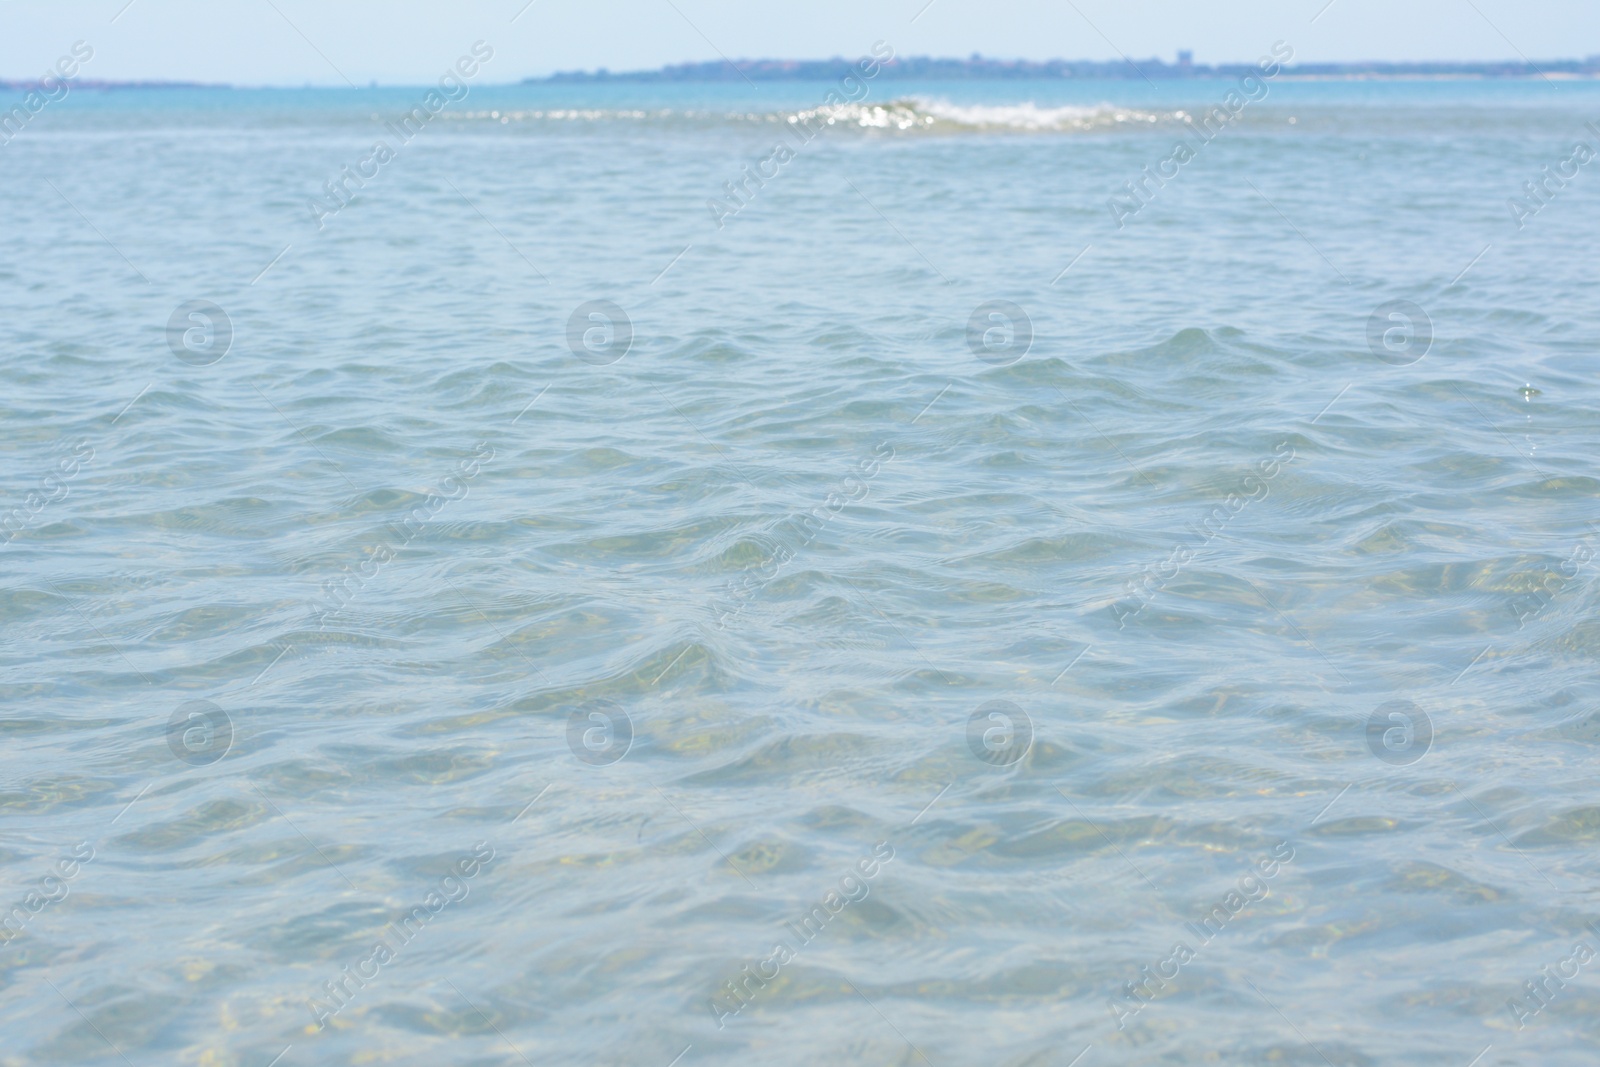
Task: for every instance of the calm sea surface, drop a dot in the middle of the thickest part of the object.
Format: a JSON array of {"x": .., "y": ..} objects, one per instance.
[{"x": 942, "y": 606}]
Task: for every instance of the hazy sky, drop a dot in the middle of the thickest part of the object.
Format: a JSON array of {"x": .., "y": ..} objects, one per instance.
[{"x": 292, "y": 42}]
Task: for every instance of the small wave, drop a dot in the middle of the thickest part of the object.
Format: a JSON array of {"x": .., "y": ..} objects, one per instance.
[
  {"x": 581, "y": 114},
  {"x": 920, "y": 113},
  {"x": 905, "y": 114}
]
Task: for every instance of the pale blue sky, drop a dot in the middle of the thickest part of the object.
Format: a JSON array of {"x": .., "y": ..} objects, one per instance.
[{"x": 292, "y": 42}]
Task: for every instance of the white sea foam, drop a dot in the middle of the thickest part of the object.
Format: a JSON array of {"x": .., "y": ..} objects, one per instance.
[
  {"x": 1026, "y": 116},
  {"x": 905, "y": 114},
  {"x": 921, "y": 113},
  {"x": 586, "y": 114}
]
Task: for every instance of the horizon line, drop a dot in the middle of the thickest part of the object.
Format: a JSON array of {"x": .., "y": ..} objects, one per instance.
[{"x": 974, "y": 67}]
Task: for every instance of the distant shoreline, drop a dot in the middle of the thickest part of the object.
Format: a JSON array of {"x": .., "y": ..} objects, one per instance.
[
  {"x": 976, "y": 68},
  {"x": 979, "y": 68},
  {"x": 87, "y": 84}
]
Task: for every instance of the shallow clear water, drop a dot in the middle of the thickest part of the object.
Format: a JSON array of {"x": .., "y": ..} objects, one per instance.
[{"x": 386, "y": 559}]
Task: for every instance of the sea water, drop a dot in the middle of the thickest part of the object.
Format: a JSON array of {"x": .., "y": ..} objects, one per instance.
[{"x": 723, "y": 574}]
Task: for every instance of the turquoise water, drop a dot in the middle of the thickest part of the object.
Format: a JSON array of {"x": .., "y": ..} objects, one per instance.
[{"x": 403, "y": 666}]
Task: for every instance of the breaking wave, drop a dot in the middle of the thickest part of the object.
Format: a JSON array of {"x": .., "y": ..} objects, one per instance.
[
  {"x": 908, "y": 114},
  {"x": 916, "y": 113}
]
